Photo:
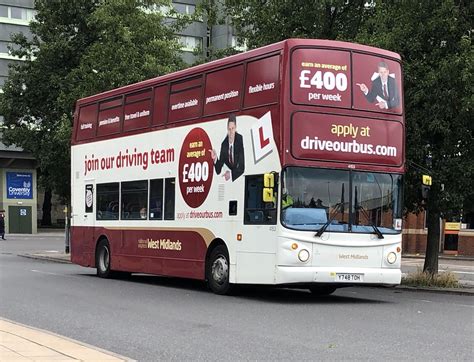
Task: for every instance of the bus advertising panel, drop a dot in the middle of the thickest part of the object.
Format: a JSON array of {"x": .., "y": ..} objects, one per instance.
[
  {"x": 185, "y": 104},
  {"x": 87, "y": 122},
  {"x": 223, "y": 96},
  {"x": 377, "y": 84},
  {"x": 109, "y": 121},
  {"x": 261, "y": 86},
  {"x": 137, "y": 110},
  {"x": 160, "y": 105},
  {"x": 137, "y": 115},
  {"x": 321, "y": 77},
  {"x": 110, "y": 117},
  {"x": 340, "y": 138}
]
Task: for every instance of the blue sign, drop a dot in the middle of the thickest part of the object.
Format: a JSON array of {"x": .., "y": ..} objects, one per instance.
[{"x": 19, "y": 185}]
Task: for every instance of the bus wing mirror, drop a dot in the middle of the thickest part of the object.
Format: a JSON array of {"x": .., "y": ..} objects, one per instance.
[
  {"x": 267, "y": 194},
  {"x": 269, "y": 180}
]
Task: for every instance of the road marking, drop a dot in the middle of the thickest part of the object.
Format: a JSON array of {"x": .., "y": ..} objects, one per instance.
[
  {"x": 464, "y": 305},
  {"x": 424, "y": 300},
  {"x": 43, "y": 272},
  {"x": 461, "y": 272},
  {"x": 57, "y": 274}
]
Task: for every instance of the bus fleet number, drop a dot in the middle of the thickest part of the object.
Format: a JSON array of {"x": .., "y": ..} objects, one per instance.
[
  {"x": 322, "y": 80},
  {"x": 195, "y": 172}
]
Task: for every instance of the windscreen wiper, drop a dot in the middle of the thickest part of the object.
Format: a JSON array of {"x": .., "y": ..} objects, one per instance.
[
  {"x": 366, "y": 214},
  {"x": 331, "y": 219}
]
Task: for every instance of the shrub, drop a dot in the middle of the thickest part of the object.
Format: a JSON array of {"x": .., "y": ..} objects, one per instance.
[{"x": 424, "y": 279}]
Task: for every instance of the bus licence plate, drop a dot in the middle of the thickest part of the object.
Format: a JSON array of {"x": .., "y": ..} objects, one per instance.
[{"x": 344, "y": 277}]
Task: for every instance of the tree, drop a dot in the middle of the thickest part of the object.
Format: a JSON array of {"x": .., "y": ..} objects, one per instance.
[
  {"x": 439, "y": 73},
  {"x": 77, "y": 49},
  {"x": 262, "y": 22}
]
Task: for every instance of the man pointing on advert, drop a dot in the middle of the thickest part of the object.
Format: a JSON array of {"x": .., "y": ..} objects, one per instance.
[
  {"x": 232, "y": 152},
  {"x": 383, "y": 90}
]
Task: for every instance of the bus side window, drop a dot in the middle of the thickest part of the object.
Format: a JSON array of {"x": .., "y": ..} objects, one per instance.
[
  {"x": 134, "y": 200},
  {"x": 156, "y": 199},
  {"x": 169, "y": 198},
  {"x": 256, "y": 210},
  {"x": 108, "y": 201}
]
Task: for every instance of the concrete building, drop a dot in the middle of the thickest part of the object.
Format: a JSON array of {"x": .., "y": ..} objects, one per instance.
[
  {"x": 202, "y": 35},
  {"x": 15, "y": 16},
  {"x": 18, "y": 193}
]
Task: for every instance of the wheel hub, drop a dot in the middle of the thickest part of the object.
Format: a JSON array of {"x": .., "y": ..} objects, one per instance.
[
  {"x": 105, "y": 259},
  {"x": 220, "y": 269}
]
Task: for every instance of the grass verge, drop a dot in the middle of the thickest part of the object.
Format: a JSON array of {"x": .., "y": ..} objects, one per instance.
[{"x": 422, "y": 279}]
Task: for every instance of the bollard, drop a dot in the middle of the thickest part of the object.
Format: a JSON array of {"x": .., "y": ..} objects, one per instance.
[
  {"x": 66, "y": 229},
  {"x": 66, "y": 248}
]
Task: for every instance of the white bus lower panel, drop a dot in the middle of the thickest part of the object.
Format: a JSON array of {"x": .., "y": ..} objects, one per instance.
[{"x": 337, "y": 275}]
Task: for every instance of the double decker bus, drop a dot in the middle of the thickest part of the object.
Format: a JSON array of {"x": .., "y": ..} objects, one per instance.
[{"x": 282, "y": 166}]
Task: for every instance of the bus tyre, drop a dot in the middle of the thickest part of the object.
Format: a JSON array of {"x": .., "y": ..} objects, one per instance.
[
  {"x": 102, "y": 259},
  {"x": 217, "y": 272},
  {"x": 322, "y": 290}
]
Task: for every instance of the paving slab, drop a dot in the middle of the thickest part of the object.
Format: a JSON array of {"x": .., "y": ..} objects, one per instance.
[{"x": 23, "y": 343}]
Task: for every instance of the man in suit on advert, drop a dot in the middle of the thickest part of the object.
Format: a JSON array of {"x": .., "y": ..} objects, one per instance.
[
  {"x": 383, "y": 90},
  {"x": 232, "y": 152}
]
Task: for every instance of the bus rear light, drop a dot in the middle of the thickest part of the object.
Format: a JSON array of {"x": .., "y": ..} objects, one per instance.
[
  {"x": 294, "y": 246},
  {"x": 391, "y": 257},
  {"x": 303, "y": 255}
]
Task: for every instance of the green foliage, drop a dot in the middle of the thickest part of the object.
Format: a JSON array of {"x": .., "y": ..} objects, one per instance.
[
  {"x": 78, "y": 49},
  {"x": 424, "y": 279},
  {"x": 214, "y": 54},
  {"x": 212, "y": 11},
  {"x": 132, "y": 45},
  {"x": 261, "y": 22}
]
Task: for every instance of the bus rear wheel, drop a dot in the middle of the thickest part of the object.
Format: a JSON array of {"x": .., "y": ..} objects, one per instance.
[
  {"x": 321, "y": 290},
  {"x": 217, "y": 272},
  {"x": 102, "y": 259}
]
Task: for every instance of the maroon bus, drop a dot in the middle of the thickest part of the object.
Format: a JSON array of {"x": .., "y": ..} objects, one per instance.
[{"x": 282, "y": 165}]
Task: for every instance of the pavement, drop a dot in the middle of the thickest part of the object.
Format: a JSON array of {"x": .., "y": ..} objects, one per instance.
[{"x": 23, "y": 343}]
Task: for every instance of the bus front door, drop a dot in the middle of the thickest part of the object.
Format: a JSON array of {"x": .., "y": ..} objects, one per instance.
[{"x": 88, "y": 218}]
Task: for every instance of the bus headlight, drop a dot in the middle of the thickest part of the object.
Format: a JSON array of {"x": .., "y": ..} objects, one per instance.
[
  {"x": 303, "y": 255},
  {"x": 391, "y": 257}
]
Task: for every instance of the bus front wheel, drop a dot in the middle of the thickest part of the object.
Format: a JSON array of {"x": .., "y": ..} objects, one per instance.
[
  {"x": 218, "y": 271},
  {"x": 102, "y": 259}
]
